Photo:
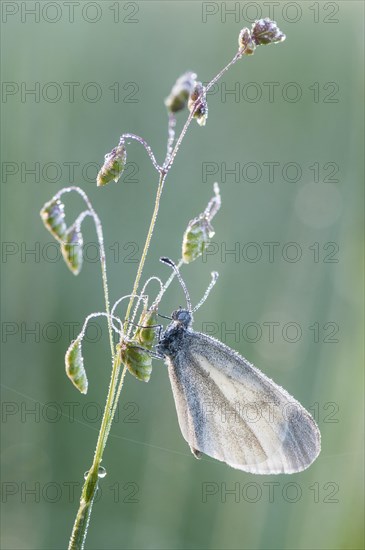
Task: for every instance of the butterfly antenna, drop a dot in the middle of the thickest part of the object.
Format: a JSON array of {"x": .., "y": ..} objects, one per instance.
[
  {"x": 170, "y": 263},
  {"x": 215, "y": 275}
]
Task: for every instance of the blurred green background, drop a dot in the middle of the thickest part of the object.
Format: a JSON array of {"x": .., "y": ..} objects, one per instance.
[{"x": 155, "y": 493}]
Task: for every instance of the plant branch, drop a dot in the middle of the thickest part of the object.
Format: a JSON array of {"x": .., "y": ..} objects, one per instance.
[
  {"x": 89, "y": 490},
  {"x": 144, "y": 143},
  {"x": 99, "y": 233},
  {"x": 235, "y": 58}
]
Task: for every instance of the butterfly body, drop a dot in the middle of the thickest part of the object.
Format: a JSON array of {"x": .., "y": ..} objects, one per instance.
[{"x": 230, "y": 410}]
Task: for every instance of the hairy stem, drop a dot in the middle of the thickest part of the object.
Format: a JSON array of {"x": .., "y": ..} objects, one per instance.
[
  {"x": 90, "y": 487},
  {"x": 148, "y": 240},
  {"x": 89, "y": 490},
  {"x": 99, "y": 233},
  {"x": 136, "y": 284},
  {"x": 237, "y": 56},
  {"x": 144, "y": 143}
]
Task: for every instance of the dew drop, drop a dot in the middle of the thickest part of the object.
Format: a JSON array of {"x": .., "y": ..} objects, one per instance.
[{"x": 101, "y": 472}]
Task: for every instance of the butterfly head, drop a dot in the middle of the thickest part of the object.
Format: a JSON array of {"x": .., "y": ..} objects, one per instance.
[
  {"x": 182, "y": 317},
  {"x": 171, "y": 340}
]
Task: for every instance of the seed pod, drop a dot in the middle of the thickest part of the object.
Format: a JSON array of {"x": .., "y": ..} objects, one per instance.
[
  {"x": 53, "y": 217},
  {"x": 137, "y": 360},
  {"x": 75, "y": 369},
  {"x": 71, "y": 249},
  {"x": 246, "y": 43},
  {"x": 196, "y": 238},
  {"x": 113, "y": 166},
  {"x": 265, "y": 31},
  {"x": 198, "y": 101},
  {"x": 179, "y": 95},
  {"x": 199, "y": 230},
  {"x": 145, "y": 333}
]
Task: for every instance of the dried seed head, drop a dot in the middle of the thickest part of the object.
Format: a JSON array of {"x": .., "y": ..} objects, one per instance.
[
  {"x": 246, "y": 43},
  {"x": 179, "y": 95},
  {"x": 71, "y": 249},
  {"x": 198, "y": 103},
  {"x": 53, "y": 217},
  {"x": 265, "y": 31},
  {"x": 75, "y": 369},
  {"x": 113, "y": 166},
  {"x": 137, "y": 360},
  {"x": 145, "y": 334},
  {"x": 200, "y": 231}
]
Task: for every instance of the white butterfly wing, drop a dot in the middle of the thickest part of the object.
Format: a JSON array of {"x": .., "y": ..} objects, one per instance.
[{"x": 231, "y": 411}]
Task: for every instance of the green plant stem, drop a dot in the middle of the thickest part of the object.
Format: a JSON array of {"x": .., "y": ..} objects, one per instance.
[
  {"x": 90, "y": 487},
  {"x": 79, "y": 532},
  {"x": 89, "y": 490},
  {"x": 148, "y": 240},
  {"x": 104, "y": 277},
  {"x": 136, "y": 285}
]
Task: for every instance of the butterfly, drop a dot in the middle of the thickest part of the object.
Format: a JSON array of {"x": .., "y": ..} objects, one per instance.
[{"x": 227, "y": 408}]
